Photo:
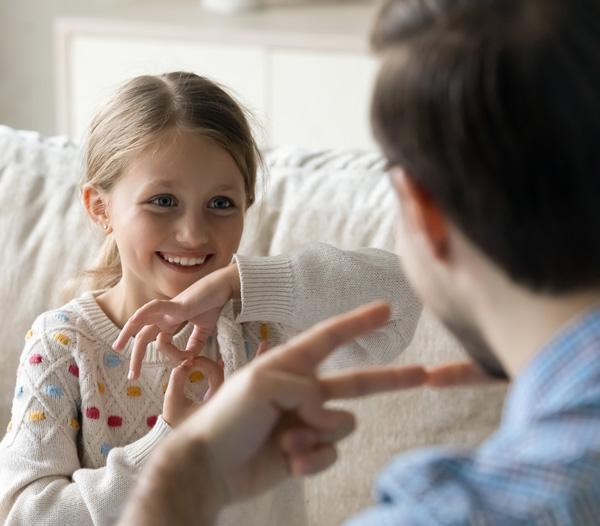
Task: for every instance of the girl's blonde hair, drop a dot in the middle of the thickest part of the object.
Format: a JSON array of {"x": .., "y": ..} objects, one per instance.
[{"x": 138, "y": 117}]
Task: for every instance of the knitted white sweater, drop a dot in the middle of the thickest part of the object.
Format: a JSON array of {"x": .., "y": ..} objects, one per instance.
[{"x": 80, "y": 432}]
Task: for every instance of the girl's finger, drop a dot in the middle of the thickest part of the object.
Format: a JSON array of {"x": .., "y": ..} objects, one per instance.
[
  {"x": 263, "y": 347},
  {"x": 165, "y": 314},
  {"x": 136, "y": 323},
  {"x": 175, "y": 389},
  {"x": 213, "y": 372},
  {"x": 198, "y": 339},
  {"x": 144, "y": 337},
  {"x": 165, "y": 346}
]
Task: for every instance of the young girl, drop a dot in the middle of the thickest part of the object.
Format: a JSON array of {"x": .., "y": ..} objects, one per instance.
[{"x": 170, "y": 171}]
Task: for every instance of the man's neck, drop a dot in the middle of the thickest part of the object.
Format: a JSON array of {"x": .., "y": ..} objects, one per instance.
[{"x": 519, "y": 323}]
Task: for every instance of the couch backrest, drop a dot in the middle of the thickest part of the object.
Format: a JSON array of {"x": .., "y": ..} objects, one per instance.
[
  {"x": 335, "y": 196},
  {"x": 45, "y": 238}
]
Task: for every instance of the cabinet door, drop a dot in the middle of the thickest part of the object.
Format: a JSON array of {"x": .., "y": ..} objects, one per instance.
[
  {"x": 96, "y": 65},
  {"x": 321, "y": 99}
]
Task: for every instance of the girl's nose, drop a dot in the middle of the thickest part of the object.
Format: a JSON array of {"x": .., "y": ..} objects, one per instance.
[{"x": 192, "y": 230}]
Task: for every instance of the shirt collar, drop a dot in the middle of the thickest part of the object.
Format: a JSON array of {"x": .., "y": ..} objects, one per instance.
[{"x": 558, "y": 374}]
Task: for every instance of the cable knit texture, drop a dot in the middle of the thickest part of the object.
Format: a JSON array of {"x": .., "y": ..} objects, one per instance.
[{"x": 80, "y": 432}]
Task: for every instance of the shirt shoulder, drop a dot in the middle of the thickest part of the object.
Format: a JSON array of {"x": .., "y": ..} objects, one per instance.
[
  {"x": 57, "y": 328},
  {"x": 50, "y": 344}
]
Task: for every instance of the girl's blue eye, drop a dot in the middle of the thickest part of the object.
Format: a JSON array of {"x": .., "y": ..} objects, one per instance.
[
  {"x": 163, "y": 201},
  {"x": 220, "y": 203}
]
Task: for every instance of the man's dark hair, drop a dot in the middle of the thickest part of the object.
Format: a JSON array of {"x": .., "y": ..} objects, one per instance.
[{"x": 493, "y": 108}]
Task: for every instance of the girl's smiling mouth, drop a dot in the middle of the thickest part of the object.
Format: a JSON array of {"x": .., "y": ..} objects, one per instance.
[{"x": 184, "y": 263}]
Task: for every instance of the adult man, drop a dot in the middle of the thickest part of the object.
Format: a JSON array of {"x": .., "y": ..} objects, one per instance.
[{"x": 489, "y": 113}]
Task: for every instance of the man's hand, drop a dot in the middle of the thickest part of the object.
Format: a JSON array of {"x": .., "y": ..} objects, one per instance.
[
  {"x": 269, "y": 422},
  {"x": 159, "y": 320},
  {"x": 458, "y": 375}
]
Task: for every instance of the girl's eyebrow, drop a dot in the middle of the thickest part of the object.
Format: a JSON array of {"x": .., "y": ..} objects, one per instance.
[
  {"x": 167, "y": 183},
  {"x": 158, "y": 182},
  {"x": 222, "y": 187}
]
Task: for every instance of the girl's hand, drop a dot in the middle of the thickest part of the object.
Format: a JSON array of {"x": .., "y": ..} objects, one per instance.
[
  {"x": 263, "y": 347},
  {"x": 176, "y": 406},
  {"x": 201, "y": 304}
]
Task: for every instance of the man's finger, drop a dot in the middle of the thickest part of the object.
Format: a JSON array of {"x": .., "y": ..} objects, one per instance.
[
  {"x": 303, "y": 353},
  {"x": 359, "y": 383},
  {"x": 313, "y": 461},
  {"x": 297, "y": 440},
  {"x": 458, "y": 374}
]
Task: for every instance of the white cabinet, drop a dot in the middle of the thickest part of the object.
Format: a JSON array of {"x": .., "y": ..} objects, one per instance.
[
  {"x": 320, "y": 98},
  {"x": 305, "y": 73},
  {"x": 100, "y": 63}
]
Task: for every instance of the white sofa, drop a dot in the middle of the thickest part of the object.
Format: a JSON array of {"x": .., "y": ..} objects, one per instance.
[{"x": 339, "y": 197}]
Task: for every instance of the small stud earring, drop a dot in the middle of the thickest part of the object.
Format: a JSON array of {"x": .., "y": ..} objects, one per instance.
[{"x": 105, "y": 226}]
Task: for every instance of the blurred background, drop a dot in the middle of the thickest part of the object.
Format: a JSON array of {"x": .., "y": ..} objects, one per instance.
[{"x": 303, "y": 69}]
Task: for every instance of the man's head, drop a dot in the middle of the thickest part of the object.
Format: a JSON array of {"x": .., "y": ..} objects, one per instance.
[{"x": 489, "y": 113}]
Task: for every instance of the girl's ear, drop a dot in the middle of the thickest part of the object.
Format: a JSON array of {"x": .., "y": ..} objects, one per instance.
[{"x": 95, "y": 202}]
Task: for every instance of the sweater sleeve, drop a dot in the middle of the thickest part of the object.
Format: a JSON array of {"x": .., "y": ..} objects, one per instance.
[
  {"x": 319, "y": 281},
  {"x": 42, "y": 480}
]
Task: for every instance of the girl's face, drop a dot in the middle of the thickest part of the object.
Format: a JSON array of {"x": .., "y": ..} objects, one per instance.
[{"x": 177, "y": 214}]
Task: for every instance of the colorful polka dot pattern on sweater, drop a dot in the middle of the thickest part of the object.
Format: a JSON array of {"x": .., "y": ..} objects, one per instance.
[{"x": 73, "y": 385}]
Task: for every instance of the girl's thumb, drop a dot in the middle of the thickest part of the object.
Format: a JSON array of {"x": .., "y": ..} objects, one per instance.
[{"x": 179, "y": 374}]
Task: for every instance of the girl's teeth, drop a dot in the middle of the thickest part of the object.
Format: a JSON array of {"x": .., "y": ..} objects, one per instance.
[{"x": 185, "y": 262}]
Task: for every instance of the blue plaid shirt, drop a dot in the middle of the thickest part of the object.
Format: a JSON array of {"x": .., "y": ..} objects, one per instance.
[{"x": 542, "y": 466}]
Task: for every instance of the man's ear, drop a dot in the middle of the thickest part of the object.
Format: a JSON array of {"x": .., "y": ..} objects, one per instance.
[
  {"x": 422, "y": 212},
  {"x": 95, "y": 202}
]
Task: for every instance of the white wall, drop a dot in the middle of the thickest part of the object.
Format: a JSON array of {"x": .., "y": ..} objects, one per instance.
[{"x": 27, "y": 59}]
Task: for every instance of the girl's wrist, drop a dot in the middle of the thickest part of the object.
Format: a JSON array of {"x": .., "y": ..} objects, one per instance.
[{"x": 233, "y": 278}]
